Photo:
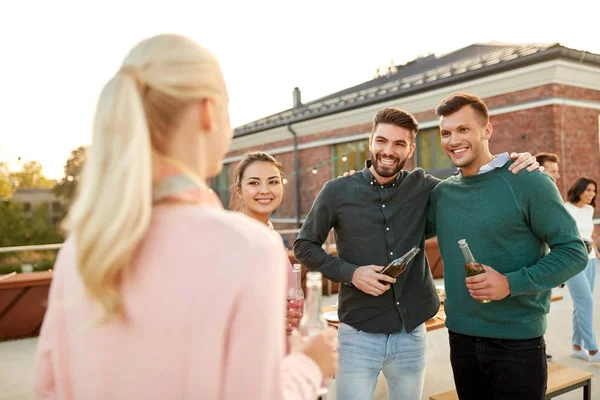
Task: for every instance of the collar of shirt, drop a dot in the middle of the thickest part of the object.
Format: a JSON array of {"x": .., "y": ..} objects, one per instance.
[
  {"x": 370, "y": 178},
  {"x": 498, "y": 161}
]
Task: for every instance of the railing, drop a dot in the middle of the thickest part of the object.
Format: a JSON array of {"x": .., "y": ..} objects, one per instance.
[
  {"x": 39, "y": 247},
  {"x": 57, "y": 246}
]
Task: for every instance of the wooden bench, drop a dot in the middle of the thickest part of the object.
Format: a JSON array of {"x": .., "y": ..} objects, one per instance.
[{"x": 561, "y": 380}]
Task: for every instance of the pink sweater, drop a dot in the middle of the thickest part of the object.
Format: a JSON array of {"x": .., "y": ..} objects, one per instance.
[{"x": 205, "y": 319}]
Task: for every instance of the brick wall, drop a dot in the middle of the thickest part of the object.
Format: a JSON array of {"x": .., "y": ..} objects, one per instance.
[
  {"x": 537, "y": 93},
  {"x": 533, "y": 130},
  {"x": 341, "y": 132},
  {"x": 530, "y": 130},
  {"x": 540, "y": 92},
  {"x": 581, "y": 152}
]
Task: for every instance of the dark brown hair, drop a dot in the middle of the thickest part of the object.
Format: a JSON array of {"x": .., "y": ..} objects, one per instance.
[
  {"x": 541, "y": 158},
  {"x": 578, "y": 188},
  {"x": 240, "y": 169},
  {"x": 397, "y": 117},
  {"x": 456, "y": 101}
]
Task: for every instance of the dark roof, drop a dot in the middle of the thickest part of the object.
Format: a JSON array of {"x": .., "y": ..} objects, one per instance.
[{"x": 423, "y": 74}]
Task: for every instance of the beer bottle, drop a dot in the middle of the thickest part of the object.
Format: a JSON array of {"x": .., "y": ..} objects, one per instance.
[
  {"x": 472, "y": 267},
  {"x": 398, "y": 266}
]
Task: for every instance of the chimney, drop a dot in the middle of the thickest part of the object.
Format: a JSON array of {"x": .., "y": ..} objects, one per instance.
[{"x": 297, "y": 98}]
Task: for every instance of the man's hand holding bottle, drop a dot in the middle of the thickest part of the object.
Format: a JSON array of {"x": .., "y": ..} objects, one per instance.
[{"x": 369, "y": 280}]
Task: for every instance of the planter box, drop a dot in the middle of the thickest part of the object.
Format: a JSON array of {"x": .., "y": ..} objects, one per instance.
[{"x": 23, "y": 302}]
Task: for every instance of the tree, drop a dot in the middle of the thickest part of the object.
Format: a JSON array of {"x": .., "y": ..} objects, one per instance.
[
  {"x": 40, "y": 227},
  {"x": 16, "y": 227},
  {"x": 6, "y": 185},
  {"x": 66, "y": 188},
  {"x": 12, "y": 224},
  {"x": 21, "y": 229},
  {"x": 31, "y": 176}
]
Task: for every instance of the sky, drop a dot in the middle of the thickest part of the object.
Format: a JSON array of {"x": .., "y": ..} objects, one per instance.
[{"x": 57, "y": 55}]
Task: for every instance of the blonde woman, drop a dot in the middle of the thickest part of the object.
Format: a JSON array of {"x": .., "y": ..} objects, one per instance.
[{"x": 158, "y": 292}]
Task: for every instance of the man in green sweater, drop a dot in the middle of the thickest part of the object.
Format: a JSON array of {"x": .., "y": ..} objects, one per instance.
[{"x": 497, "y": 348}]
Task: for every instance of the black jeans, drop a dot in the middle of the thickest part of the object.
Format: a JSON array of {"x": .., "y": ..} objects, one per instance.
[{"x": 491, "y": 369}]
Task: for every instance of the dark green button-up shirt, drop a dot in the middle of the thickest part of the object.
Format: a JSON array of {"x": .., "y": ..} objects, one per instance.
[{"x": 373, "y": 224}]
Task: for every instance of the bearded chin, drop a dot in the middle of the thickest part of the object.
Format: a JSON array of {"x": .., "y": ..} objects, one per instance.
[{"x": 387, "y": 173}]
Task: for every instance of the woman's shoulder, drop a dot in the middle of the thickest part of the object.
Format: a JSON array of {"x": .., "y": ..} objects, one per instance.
[
  {"x": 589, "y": 209},
  {"x": 583, "y": 212}
]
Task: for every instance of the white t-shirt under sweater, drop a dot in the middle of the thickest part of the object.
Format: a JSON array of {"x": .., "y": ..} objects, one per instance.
[{"x": 584, "y": 218}]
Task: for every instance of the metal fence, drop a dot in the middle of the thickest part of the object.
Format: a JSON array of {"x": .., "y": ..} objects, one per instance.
[
  {"x": 289, "y": 236},
  {"x": 39, "y": 247}
]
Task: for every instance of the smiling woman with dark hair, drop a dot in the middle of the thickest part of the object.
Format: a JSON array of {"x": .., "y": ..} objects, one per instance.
[
  {"x": 586, "y": 187},
  {"x": 257, "y": 191},
  {"x": 580, "y": 204}
]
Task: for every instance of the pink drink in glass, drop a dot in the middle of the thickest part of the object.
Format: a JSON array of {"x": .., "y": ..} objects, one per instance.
[{"x": 296, "y": 304}]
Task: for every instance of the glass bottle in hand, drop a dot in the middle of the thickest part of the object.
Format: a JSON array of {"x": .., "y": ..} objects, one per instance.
[
  {"x": 312, "y": 321},
  {"x": 295, "y": 298},
  {"x": 398, "y": 266},
  {"x": 472, "y": 267}
]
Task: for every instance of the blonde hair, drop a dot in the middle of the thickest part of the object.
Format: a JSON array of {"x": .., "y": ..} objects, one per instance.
[{"x": 135, "y": 111}]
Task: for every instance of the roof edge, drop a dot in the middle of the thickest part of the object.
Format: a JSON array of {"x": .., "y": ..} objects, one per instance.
[{"x": 556, "y": 51}]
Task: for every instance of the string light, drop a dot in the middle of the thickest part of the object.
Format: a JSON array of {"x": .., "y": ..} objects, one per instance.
[
  {"x": 344, "y": 158},
  {"x": 12, "y": 154},
  {"x": 285, "y": 181}
]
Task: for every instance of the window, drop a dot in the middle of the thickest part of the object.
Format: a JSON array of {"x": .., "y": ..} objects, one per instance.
[
  {"x": 221, "y": 185},
  {"x": 354, "y": 153},
  {"x": 430, "y": 155}
]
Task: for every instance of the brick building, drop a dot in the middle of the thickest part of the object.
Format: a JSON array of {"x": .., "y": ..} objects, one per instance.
[{"x": 542, "y": 97}]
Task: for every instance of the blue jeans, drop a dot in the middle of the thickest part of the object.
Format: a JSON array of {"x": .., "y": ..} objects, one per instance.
[
  {"x": 498, "y": 369},
  {"x": 362, "y": 355},
  {"x": 581, "y": 287}
]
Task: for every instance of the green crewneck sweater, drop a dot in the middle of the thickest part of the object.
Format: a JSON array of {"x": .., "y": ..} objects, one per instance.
[{"x": 506, "y": 219}]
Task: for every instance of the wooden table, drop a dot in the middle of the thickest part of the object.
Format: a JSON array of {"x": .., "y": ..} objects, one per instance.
[{"x": 437, "y": 322}]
